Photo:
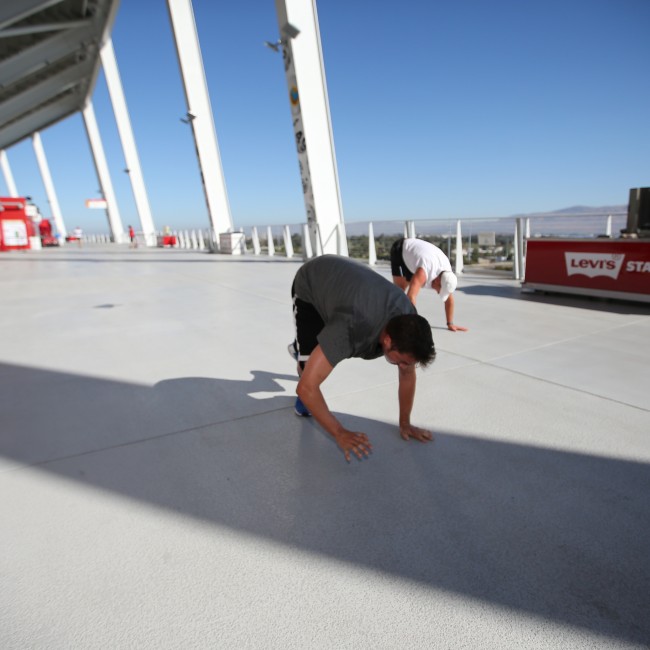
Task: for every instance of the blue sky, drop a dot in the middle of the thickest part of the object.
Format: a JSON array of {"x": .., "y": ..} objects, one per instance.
[{"x": 463, "y": 109}]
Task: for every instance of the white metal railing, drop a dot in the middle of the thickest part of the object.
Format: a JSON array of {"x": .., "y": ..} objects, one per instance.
[{"x": 464, "y": 233}]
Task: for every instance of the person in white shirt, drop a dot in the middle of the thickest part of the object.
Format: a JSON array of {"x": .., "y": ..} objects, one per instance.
[{"x": 415, "y": 263}]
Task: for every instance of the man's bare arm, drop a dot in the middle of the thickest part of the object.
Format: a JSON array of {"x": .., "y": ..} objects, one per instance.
[
  {"x": 406, "y": 396},
  {"x": 316, "y": 371},
  {"x": 449, "y": 313},
  {"x": 417, "y": 282}
]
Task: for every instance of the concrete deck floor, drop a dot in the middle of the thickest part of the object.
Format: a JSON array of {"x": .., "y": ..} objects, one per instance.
[{"x": 157, "y": 490}]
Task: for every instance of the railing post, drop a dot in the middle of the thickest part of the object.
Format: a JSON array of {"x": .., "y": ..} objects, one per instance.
[
  {"x": 411, "y": 229},
  {"x": 269, "y": 242},
  {"x": 307, "y": 252},
  {"x": 372, "y": 251},
  {"x": 342, "y": 240},
  {"x": 459, "y": 249},
  {"x": 257, "y": 249},
  {"x": 288, "y": 244},
  {"x": 518, "y": 256},
  {"x": 608, "y": 226}
]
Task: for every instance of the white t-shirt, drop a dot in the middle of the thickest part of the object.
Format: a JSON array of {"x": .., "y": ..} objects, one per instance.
[{"x": 420, "y": 254}]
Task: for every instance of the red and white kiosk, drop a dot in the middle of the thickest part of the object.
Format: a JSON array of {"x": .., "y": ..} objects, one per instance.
[
  {"x": 601, "y": 267},
  {"x": 15, "y": 226}
]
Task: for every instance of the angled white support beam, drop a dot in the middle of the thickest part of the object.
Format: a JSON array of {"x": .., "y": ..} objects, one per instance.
[
  {"x": 9, "y": 177},
  {"x": 312, "y": 125},
  {"x": 199, "y": 114},
  {"x": 49, "y": 185},
  {"x": 103, "y": 175},
  {"x": 107, "y": 54}
]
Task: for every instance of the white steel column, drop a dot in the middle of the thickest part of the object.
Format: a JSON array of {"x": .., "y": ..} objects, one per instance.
[
  {"x": 199, "y": 114},
  {"x": 305, "y": 73},
  {"x": 9, "y": 177},
  {"x": 107, "y": 54},
  {"x": 103, "y": 175},
  {"x": 49, "y": 186}
]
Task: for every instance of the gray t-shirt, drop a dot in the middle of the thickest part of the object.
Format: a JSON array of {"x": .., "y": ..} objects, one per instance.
[{"x": 354, "y": 302}]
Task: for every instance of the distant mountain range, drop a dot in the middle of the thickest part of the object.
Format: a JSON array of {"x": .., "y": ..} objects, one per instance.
[
  {"x": 578, "y": 219},
  {"x": 578, "y": 210}
]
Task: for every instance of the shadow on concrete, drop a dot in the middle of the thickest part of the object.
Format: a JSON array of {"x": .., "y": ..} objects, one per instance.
[
  {"x": 558, "y": 535},
  {"x": 608, "y": 305}
]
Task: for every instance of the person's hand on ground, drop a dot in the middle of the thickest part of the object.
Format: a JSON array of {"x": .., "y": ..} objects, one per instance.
[
  {"x": 408, "y": 431},
  {"x": 353, "y": 441}
]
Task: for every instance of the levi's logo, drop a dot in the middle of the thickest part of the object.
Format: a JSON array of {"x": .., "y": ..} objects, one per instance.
[{"x": 594, "y": 264}]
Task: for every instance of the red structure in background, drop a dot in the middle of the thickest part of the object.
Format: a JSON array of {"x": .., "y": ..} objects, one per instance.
[
  {"x": 45, "y": 231},
  {"x": 607, "y": 268},
  {"x": 15, "y": 226},
  {"x": 19, "y": 222}
]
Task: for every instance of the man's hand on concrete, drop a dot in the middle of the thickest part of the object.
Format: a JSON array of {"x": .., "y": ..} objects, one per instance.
[
  {"x": 456, "y": 328},
  {"x": 408, "y": 431},
  {"x": 353, "y": 441}
]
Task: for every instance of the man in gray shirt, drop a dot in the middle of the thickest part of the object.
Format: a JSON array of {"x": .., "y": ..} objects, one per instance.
[{"x": 344, "y": 309}]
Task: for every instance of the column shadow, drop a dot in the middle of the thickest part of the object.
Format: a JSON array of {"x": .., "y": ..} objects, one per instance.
[{"x": 558, "y": 535}]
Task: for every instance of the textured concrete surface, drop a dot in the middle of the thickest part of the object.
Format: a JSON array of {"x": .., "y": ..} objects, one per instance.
[{"x": 157, "y": 490}]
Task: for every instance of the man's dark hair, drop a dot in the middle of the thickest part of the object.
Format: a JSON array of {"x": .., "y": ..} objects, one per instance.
[{"x": 411, "y": 334}]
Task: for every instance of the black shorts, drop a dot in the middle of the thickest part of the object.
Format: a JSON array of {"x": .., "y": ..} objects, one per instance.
[
  {"x": 397, "y": 266},
  {"x": 308, "y": 326}
]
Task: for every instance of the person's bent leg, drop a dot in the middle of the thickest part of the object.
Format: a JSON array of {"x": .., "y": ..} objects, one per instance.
[
  {"x": 308, "y": 324},
  {"x": 399, "y": 270}
]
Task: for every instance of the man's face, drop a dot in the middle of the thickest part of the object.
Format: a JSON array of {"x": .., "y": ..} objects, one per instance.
[
  {"x": 400, "y": 359},
  {"x": 437, "y": 283}
]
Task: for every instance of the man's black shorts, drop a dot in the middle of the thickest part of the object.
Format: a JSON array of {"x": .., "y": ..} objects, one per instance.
[
  {"x": 308, "y": 326},
  {"x": 397, "y": 265}
]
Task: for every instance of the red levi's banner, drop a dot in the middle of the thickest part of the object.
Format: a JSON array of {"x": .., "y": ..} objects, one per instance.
[{"x": 601, "y": 264}]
